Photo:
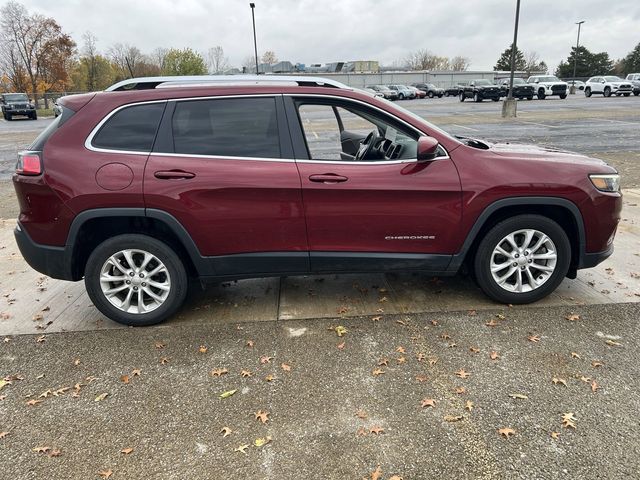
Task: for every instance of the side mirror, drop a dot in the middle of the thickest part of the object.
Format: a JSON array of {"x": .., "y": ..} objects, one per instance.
[{"x": 427, "y": 148}]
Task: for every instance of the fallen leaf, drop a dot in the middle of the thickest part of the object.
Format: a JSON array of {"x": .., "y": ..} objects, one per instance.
[
  {"x": 361, "y": 414},
  {"x": 124, "y": 378},
  {"x": 242, "y": 449},
  {"x": 468, "y": 405},
  {"x": 518, "y": 396},
  {"x": 445, "y": 336},
  {"x": 401, "y": 360},
  {"x": 472, "y": 313},
  {"x": 250, "y": 343},
  {"x": 428, "y": 402},
  {"x": 261, "y": 442},
  {"x": 573, "y": 317},
  {"x": 101, "y": 397},
  {"x": 245, "y": 373},
  {"x": 376, "y": 474},
  {"x": 41, "y": 449},
  {"x": 286, "y": 367},
  {"x": 31, "y": 403},
  {"x": 228, "y": 393},
  {"x": 534, "y": 338},
  {"x": 506, "y": 432},
  {"x": 264, "y": 360},
  {"x": 453, "y": 418},
  {"x": 269, "y": 378},
  {"x": 492, "y": 323},
  {"x": 378, "y": 371},
  {"x": 3, "y": 383},
  {"x": 613, "y": 343},
  {"x": 164, "y": 360},
  {"x": 3, "y": 434},
  {"x": 41, "y": 339},
  {"x": 460, "y": 390},
  {"x": 160, "y": 345},
  {"x": 126, "y": 451},
  {"x": 434, "y": 323},
  {"x": 202, "y": 349},
  {"x": 383, "y": 362},
  {"x": 376, "y": 430},
  {"x": 396, "y": 477},
  {"x": 136, "y": 372},
  {"x": 494, "y": 355},
  {"x": 76, "y": 362},
  {"x": 340, "y": 330},
  {"x": 61, "y": 391},
  {"x": 568, "y": 420},
  {"x": 342, "y": 310},
  {"x": 105, "y": 473},
  {"x": 400, "y": 349},
  {"x": 375, "y": 319},
  {"x": 262, "y": 416},
  {"x": 226, "y": 431},
  {"x": 361, "y": 432},
  {"x": 596, "y": 364},
  {"x": 575, "y": 355},
  {"x": 433, "y": 361},
  {"x": 555, "y": 435},
  {"x": 55, "y": 453},
  {"x": 557, "y": 381},
  {"x": 218, "y": 372},
  {"x": 341, "y": 346},
  {"x": 421, "y": 378},
  {"x": 594, "y": 386},
  {"x": 462, "y": 373},
  {"x": 474, "y": 350},
  {"x": 420, "y": 356}
]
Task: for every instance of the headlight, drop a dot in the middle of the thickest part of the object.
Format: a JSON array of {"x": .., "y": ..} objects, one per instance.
[{"x": 606, "y": 183}]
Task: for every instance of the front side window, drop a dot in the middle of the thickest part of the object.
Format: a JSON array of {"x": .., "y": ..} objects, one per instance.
[
  {"x": 233, "y": 127},
  {"x": 132, "y": 128},
  {"x": 336, "y": 133}
]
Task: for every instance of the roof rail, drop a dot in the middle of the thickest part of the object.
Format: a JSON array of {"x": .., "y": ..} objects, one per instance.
[{"x": 148, "y": 83}]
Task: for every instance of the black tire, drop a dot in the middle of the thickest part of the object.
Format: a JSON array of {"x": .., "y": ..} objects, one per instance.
[
  {"x": 493, "y": 237},
  {"x": 33, "y": 116},
  {"x": 446, "y": 94},
  {"x": 530, "y": 97},
  {"x": 476, "y": 97},
  {"x": 440, "y": 95},
  {"x": 636, "y": 93},
  {"x": 431, "y": 95},
  {"x": 495, "y": 99},
  {"x": 587, "y": 92},
  {"x": 627, "y": 94},
  {"x": 541, "y": 94},
  {"x": 462, "y": 96},
  {"x": 401, "y": 96},
  {"x": 607, "y": 92},
  {"x": 174, "y": 267},
  {"x": 9, "y": 117},
  {"x": 563, "y": 96}
]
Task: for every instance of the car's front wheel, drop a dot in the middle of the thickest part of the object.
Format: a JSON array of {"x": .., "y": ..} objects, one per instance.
[
  {"x": 135, "y": 280},
  {"x": 462, "y": 96},
  {"x": 541, "y": 94},
  {"x": 587, "y": 92},
  {"x": 607, "y": 92},
  {"x": 522, "y": 259}
]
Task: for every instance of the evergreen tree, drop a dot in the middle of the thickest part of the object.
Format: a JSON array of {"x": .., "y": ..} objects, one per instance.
[
  {"x": 504, "y": 62},
  {"x": 631, "y": 63},
  {"x": 588, "y": 64}
]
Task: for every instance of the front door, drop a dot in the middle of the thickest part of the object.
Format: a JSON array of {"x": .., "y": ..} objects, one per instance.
[
  {"x": 371, "y": 206},
  {"x": 224, "y": 168}
]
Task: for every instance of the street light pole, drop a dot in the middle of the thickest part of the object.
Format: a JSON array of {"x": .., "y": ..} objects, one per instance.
[
  {"x": 575, "y": 59},
  {"x": 509, "y": 105},
  {"x": 255, "y": 43}
]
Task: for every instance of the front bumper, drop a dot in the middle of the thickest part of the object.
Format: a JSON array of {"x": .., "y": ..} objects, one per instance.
[
  {"x": 54, "y": 262},
  {"x": 590, "y": 260}
]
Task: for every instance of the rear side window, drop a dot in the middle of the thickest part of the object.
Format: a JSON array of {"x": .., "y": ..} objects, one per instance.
[
  {"x": 132, "y": 128},
  {"x": 233, "y": 127}
]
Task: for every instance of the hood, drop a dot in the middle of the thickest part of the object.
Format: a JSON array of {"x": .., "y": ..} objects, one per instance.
[{"x": 542, "y": 153}]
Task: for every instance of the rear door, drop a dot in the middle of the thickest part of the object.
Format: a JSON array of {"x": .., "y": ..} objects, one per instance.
[{"x": 224, "y": 168}]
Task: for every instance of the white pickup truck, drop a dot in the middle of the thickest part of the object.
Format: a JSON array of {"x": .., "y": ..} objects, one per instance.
[
  {"x": 634, "y": 78},
  {"x": 549, "y": 85}
]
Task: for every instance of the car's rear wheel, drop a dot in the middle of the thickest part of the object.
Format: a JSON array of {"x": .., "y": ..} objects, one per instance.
[
  {"x": 563, "y": 96},
  {"x": 607, "y": 92},
  {"x": 135, "y": 280},
  {"x": 522, "y": 259},
  {"x": 430, "y": 94},
  {"x": 477, "y": 97},
  {"x": 446, "y": 94}
]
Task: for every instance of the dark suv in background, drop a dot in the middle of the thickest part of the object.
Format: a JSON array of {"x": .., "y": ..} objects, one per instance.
[
  {"x": 137, "y": 188},
  {"x": 17, "y": 104},
  {"x": 430, "y": 89}
]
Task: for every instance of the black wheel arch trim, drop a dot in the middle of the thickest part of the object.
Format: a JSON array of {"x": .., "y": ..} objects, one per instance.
[{"x": 459, "y": 257}]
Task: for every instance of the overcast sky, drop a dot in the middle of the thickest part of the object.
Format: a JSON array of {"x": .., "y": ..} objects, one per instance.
[{"x": 316, "y": 31}]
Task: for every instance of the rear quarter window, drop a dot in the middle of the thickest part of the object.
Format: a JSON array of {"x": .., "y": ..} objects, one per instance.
[{"x": 132, "y": 128}]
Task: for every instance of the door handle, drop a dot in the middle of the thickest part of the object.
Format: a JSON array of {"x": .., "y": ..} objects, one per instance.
[
  {"x": 173, "y": 175},
  {"x": 328, "y": 178}
]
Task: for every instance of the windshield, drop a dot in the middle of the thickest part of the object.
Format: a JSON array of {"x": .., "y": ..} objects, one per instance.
[
  {"x": 483, "y": 82},
  {"x": 518, "y": 81},
  {"x": 549, "y": 79},
  {"x": 15, "y": 97},
  {"x": 613, "y": 79}
]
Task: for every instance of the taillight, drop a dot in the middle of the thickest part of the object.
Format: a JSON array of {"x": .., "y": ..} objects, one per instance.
[{"x": 29, "y": 163}]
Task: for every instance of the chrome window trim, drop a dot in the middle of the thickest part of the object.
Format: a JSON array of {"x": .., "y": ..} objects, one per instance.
[{"x": 89, "y": 146}]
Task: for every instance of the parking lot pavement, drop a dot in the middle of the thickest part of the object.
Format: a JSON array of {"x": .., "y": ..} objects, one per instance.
[
  {"x": 32, "y": 303},
  {"x": 416, "y": 395}
]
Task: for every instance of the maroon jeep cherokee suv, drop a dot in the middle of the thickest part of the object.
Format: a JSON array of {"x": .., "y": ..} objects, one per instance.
[{"x": 155, "y": 180}]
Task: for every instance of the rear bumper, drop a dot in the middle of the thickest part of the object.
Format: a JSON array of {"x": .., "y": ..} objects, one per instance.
[{"x": 54, "y": 262}]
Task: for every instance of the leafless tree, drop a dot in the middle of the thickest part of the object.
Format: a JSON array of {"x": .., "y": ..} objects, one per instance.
[
  {"x": 249, "y": 63},
  {"x": 269, "y": 57},
  {"x": 159, "y": 57},
  {"x": 127, "y": 59},
  {"x": 459, "y": 63},
  {"x": 216, "y": 61},
  {"x": 90, "y": 53},
  {"x": 533, "y": 63},
  {"x": 426, "y": 60}
]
